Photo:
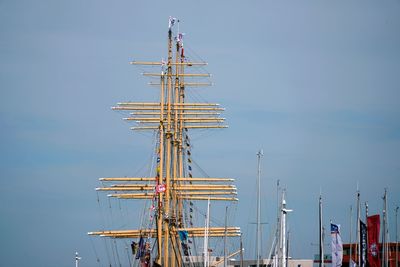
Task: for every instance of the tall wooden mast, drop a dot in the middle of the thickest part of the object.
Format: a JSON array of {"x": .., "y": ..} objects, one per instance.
[{"x": 172, "y": 118}]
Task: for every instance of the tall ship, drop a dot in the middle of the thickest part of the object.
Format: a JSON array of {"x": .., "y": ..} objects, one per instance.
[{"x": 177, "y": 228}]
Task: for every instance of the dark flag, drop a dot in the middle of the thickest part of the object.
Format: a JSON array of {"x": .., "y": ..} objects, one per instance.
[
  {"x": 141, "y": 249},
  {"x": 373, "y": 225},
  {"x": 134, "y": 247},
  {"x": 363, "y": 244}
]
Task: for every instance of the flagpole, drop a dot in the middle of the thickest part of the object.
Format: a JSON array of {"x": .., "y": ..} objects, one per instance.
[
  {"x": 351, "y": 224},
  {"x": 278, "y": 223},
  {"x": 358, "y": 228},
  {"x": 206, "y": 229},
  {"x": 321, "y": 241},
  {"x": 241, "y": 251},
  {"x": 259, "y": 155},
  {"x": 366, "y": 235},
  {"x": 287, "y": 249},
  {"x": 333, "y": 246},
  {"x": 397, "y": 239},
  {"x": 384, "y": 232},
  {"x": 226, "y": 226}
]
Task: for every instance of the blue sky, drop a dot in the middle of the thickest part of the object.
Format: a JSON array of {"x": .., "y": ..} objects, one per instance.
[{"x": 315, "y": 84}]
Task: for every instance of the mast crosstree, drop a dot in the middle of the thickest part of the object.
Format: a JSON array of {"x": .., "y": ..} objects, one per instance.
[{"x": 172, "y": 187}]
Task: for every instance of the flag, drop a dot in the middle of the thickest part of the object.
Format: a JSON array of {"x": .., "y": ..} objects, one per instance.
[
  {"x": 183, "y": 235},
  {"x": 363, "y": 244},
  {"x": 373, "y": 226},
  {"x": 179, "y": 38},
  {"x": 160, "y": 188},
  {"x": 171, "y": 22},
  {"x": 337, "y": 246},
  {"x": 134, "y": 247},
  {"x": 140, "y": 251}
]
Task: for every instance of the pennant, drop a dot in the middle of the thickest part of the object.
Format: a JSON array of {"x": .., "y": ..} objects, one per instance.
[
  {"x": 171, "y": 22},
  {"x": 179, "y": 38},
  {"x": 373, "y": 228},
  {"x": 160, "y": 188},
  {"x": 363, "y": 244},
  {"x": 337, "y": 246}
]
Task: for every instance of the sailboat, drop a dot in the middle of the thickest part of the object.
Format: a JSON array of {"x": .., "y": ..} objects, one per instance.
[{"x": 169, "y": 234}]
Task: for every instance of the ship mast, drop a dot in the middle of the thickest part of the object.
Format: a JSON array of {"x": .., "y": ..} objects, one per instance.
[
  {"x": 282, "y": 243},
  {"x": 258, "y": 231},
  {"x": 321, "y": 236},
  {"x": 172, "y": 118}
]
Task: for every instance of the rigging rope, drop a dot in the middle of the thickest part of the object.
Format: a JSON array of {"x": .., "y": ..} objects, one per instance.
[
  {"x": 107, "y": 252},
  {"x": 104, "y": 223},
  {"x": 128, "y": 253},
  {"x": 116, "y": 253},
  {"x": 94, "y": 250}
]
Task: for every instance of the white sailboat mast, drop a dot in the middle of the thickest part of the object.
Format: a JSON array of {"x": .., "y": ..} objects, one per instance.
[
  {"x": 351, "y": 226},
  {"x": 77, "y": 259},
  {"x": 259, "y": 155},
  {"x": 207, "y": 225},
  {"x": 321, "y": 236},
  {"x": 282, "y": 243},
  {"x": 225, "y": 241},
  {"x": 384, "y": 232}
]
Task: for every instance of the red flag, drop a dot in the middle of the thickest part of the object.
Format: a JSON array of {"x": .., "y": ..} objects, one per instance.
[
  {"x": 160, "y": 188},
  {"x": 373, "y": 225}
]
